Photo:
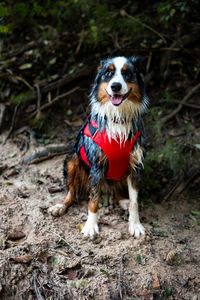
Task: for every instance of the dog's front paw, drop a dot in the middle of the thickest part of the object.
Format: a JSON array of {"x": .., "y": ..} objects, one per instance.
[
  {"x": 57, "y": 210},
  {"x": 90, "y": 229},
  {"x": 136, "y": 229}
]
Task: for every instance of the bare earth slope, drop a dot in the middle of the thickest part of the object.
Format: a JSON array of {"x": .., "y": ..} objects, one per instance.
[{"x": 42, "y": 257}]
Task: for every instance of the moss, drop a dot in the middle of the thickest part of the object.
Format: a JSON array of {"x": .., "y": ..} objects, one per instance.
[{"x": 21, "y": 98}]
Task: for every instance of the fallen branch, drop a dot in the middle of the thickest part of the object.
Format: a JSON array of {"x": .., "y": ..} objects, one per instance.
[
  {"x": 189, "y": 104},
  {"x": 66, "y": 79},
  {"x": 46, "y": 105},
  {"x": 125, "y": 14},
  {"x": 47, "y": 153},
  {"x": 173, "y": 113},
  {"x": 20, "y": 51},
  {"x": 183, "y": 182},
  {"x": 12, "y": 124}
]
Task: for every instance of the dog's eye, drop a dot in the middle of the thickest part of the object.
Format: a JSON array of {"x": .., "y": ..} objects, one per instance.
[
  {"x": 127, "y": 74},
  {"x": 109, "y": 73}
]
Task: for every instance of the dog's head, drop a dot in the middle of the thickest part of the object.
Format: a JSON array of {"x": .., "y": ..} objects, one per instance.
[{"x": 119, "y": 83}]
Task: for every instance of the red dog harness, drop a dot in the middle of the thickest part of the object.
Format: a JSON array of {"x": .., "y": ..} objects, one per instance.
[{"x": 118, "y": 155}]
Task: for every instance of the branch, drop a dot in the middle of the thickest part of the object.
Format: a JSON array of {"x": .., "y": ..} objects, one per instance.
[
  {"x": 47, "y": 153},
  {"x": 46, "y": 105},
  {"x": 12, "y": 124},
  {"x": 183, "y": 101},
  {"x": 125, "y": 14},
  {"x": 66, "y": 80}
]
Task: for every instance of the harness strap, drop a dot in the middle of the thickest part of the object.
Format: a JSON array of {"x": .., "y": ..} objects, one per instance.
[{"x": 118, "y": 155}]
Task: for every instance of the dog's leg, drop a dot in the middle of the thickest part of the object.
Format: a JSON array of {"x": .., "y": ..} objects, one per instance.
[
  {"x": 135, "y": 227},
  {"x": 75, "y": 175},
  {"x": 91, "y": 226},
  {"x": 60, "y": 208}
]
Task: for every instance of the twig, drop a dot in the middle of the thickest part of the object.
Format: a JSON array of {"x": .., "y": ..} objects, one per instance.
[
  {"x": 171, "y": 192},
  {"x": 26, "y": 129},
  {"x": 119, "y": 276},
  {"x": 2, "y": 110},
  {"x": 183, "y": 101},
  {"x": 182, "y": 182},
  {"x": 12, "y": 124},
  {"x": 189, "y": 176},
  {"x": 189, "y": 104},
  {"x": 37, "y": 291},
  {"x": 24, "y": 81},
  {"x": 47, "y": 153},
  {"x": 125, "y": 14},
  {"x": 148, "y": 62},
  {"x": 38, "y": 101},
  {"x": 169, "y": 49},
  {"x": 61, "y": 238},
  {"x": 46, "y": 105}
]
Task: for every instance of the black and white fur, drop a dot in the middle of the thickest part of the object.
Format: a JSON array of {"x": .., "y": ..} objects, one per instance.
[{"x": 118, "y": 102}]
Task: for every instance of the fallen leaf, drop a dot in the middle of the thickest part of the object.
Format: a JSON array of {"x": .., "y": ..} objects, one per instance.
[
  {"x": 15, "y": 234},
  {"x": 12, "y": 172},
  {"x": 72, "y": 274},
  {"x": 11, "y": 155},
  {"x": 80, "y": 227},
  {"x": 25, "y": 66},
  {"x": 156, "y": 284},
  {"x": 56, "y": 261},
  {"x": 23, "y": 259},
  {"x": 43, "y": 256},
  {"x": 81, "y": 284}
]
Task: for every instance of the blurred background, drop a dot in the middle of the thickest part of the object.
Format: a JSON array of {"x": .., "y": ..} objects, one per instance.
[{"x": 49, "y": 52}]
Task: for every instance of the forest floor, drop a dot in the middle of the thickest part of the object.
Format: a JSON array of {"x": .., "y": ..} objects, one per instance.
[{"x": 42, "y": 257}]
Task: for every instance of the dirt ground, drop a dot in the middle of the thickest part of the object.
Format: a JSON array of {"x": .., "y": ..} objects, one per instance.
[{"x": 42, "y": 257}]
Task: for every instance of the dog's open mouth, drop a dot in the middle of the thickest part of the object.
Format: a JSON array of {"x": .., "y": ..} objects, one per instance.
[{"x": 117, "y": 99}]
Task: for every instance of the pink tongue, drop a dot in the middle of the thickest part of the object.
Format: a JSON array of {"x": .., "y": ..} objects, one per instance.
[{"x": 116, "y": 99}]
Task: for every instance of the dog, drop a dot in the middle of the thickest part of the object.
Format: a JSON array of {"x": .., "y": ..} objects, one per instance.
[{"x": 109, "y": 147}]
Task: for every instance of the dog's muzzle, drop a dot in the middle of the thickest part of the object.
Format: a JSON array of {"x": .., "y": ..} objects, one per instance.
[{"x": 117, "y": 99}]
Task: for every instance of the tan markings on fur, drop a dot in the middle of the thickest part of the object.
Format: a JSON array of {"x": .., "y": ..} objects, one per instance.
[
  {"x": 77, "y": 177},
  {"x": 135, "y": 95},
  {"x": 99, "y": 68},
  {"x": 102, "y": 159},
  {"x": 102, "y": 94},
  {"x": 125, "y": 67},
  {"x": 93, "y": 206},
  {"x": 111, "y": 67},
  {"x": 136, "y": 157},
  {"x": 69, "y": 199}
]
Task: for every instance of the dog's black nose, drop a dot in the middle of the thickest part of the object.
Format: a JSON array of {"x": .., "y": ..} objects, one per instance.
[{"x": 116, "y": 86}]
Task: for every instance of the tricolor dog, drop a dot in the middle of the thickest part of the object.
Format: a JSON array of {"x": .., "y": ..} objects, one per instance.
[{"x": 109, "y": 146}]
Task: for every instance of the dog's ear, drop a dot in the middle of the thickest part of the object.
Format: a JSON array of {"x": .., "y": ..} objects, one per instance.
[
  {"x": 139, "y": 64},
  {"x": 99, "y": 71},
  {"x": 101, "y": 65}
]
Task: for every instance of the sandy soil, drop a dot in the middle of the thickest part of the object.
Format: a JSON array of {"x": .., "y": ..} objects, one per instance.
[{"x": 42, "y": 257}]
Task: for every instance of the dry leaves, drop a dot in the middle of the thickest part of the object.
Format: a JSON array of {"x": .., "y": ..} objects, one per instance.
[{"x": 23, "y": 259}]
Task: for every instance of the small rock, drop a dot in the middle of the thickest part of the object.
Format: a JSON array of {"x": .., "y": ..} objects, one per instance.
[{"x": 182, "y": 281}]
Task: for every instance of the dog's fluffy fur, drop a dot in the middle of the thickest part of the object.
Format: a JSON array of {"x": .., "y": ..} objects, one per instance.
[{"x": 118, "y": 102}]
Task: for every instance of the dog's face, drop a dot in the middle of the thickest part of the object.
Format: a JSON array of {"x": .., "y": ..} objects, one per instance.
[{"x": 119, "y": 81}]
